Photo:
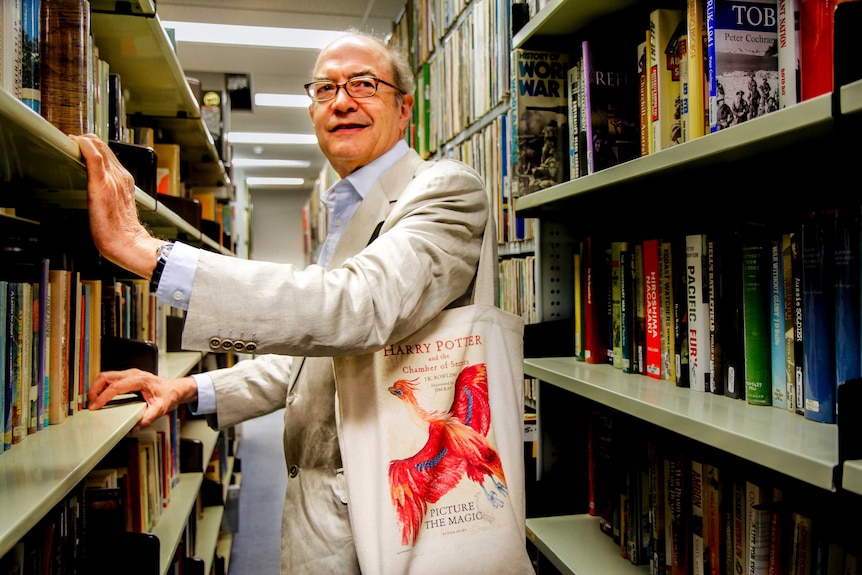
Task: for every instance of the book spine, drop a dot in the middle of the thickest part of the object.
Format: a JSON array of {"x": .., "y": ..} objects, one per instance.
[
  {"x": 64, "y": 69},
  {"x": 787, "y": 249},
  {"x": 816, "y": 54},
  {"x": 798, "y": 339},
  {"x": 680, "y": 510},
  {"x": 617, "y": 248},
  {"x": 4, "y": 383},
  {"x": 44, "y": 348},
  {"x": 653, "y": 312},
  {"x": 698, "y": 549},
  {"x": 587, "y": 72},
  {"x": 11, "y": 48},
  {"x": 643, "y": 97},
  {"x": 573, "y": 95},
  {"x": 30, "y": 51},
  {"x": 716, "y": 349},
  {"x": 845, "y": 263},
  {"x": 715, "y": 520},
  {"x": 694, "y": 98},
  {"x": 667, "y": 311},
  {"x": 667, "y": 27},
  {"x": 776, "y": 308},
  {"x": 788, "y": 52},
  {"x": 756, "y": 324},
  {"x": 681, "y": 362},
  {"x": 698, "y": 312},
  {"x": 758, "y": 519},
  {"x": 595, "y": 294},
  {"x": 817, "y": 319},
  {"x": 637, "y": 278}
]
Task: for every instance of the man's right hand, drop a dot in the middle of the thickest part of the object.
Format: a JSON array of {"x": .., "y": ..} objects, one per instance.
[{"x": 161, "y": 394}]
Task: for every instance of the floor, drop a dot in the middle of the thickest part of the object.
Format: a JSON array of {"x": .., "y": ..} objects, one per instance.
[{"x": 256, "y": 544}]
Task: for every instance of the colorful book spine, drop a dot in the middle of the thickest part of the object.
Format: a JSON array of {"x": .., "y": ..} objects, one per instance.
[
  {"x": 743, "y": 67},
  {"x": 816, "y": 54},
  {"x": 818, "y": 342},
  {"x": 652, "y": 299},
  {"x": 776, "y": 323},
  {"x": 698, "y": 542},
  {"x": 573, "y": 93},
  {"x": 595, "y": 302},
  {"x": 667, "y": 31},
  {"x": 698, "y": 311},
  {"x": 43, "y": 366},
  {"x": 756, "y": 323},
  {"x": 694, "y": 101},
  {"x": 788, "y": 246},
  {"x": 643, "y": 98},
  {"x": 11, "y": 48},
  {"x": 30, "y": 52},
  {"x": 639, "y": 331},
  {"x": 4, "y": 384},
  {"x": 716, "y": 293},
  {"x": 788, "y": 52},
  {"x": 757, "y": 518},
  {"x": 667, "y": 312}
]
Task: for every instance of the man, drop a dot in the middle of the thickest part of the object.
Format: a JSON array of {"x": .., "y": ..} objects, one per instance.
[{"x": 403, "y": 246}]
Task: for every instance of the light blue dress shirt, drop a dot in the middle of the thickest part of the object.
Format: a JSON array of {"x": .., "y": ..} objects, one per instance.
[{"x": 341, "y": 199}]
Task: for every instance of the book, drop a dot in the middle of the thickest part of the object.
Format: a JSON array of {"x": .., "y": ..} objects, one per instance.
[
  {"x": 595, "y": 306},
  {"x": 714, "y": 259},
  {"x": 776, "y": 324},
  {"x": 742, "y": 60},
  {"x": 657, "y": 501},
  {"x": 715, "y": 517},
  {"x": 816, "y": 54},
  {"x": 796, "y": 297},
  {"x": 695, "y": 118},
  {"x": 845, "y": 262},
  {"x": 679, "y": 498},
  {"x": 617, "y": 248},
  {"x": 58, "y": 344},
  {"x": 698, "y": 311},
  {"x": 756, "y": 322},
  {"x": 818, "y": 343},
  {"x": 653, "y": 341},
  {"x": 42, "y": 324},
  {"x": 667, "y": 33},
  {"x": 540, "y": 114},
  {"x": 644, "y": 99},
  {"x": 757, "y": 516},
  {"x": 11, "y": 49},
  {"x": 698, "y": 542},
  {"x": 789, "y": 369},
  {"x": 667, "y": 311},
  {"x": 30, "y": 46},
  {"x": 628, "y": 307},
  {"x": 577, "y": 160},
  {"x": 611, "y": 103},
  {"x": 788, "y": 53},
  {"x": 802, "y": 558},
  {"x": 637, "y": 270}
]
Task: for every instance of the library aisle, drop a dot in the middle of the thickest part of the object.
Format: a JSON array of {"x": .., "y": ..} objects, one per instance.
[{"x": 256, "y": 545}]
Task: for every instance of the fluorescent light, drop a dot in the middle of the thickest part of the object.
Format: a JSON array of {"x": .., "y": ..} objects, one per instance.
[
  {"x": 260, "y": 163},
  {"x": 282, "y": 100},
  {"x": 270, "y": 138},
  {"x": 274, "y": 182},
  {"x": 202, "y": 33}
]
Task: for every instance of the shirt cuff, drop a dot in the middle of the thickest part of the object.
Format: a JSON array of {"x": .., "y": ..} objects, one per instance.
[
  {"x": 206, "y": 394},
  {"x": 175, "y": 285}
]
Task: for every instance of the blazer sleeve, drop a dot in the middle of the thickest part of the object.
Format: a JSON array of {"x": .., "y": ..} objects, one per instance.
[
  {"x": 423, "y": 260},
  {"x": 251, "y": 388}
]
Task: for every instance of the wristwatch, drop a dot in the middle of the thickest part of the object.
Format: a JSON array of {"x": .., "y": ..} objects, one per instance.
[{"x": 162, "y": 254}]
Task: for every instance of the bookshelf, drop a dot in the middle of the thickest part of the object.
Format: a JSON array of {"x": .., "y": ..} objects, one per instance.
[
  {"x": 644, "y": 197},
  {"x": 42, "y": 176}
]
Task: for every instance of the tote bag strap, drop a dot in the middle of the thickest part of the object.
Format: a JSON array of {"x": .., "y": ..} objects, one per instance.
[{"x": 485, "y": 289}]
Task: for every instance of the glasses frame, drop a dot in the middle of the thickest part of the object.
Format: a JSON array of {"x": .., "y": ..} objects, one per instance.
[{"x": 377, "y": 82}]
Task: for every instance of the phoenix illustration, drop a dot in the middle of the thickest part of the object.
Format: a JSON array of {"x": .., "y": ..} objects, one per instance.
[{"x": 457, "y": 446}]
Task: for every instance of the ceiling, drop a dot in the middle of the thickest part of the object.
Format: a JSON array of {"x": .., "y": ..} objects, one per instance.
[{"x": 272, "y": 70}]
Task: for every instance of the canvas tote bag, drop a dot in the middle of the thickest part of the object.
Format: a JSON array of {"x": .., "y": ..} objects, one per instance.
[{"x": 432, "y": 442}]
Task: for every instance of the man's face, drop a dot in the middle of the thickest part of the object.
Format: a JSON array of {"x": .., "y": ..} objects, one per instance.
[{"x": 353, "y": 132}]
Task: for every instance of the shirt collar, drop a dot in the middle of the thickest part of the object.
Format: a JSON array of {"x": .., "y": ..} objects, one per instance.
[{"x": 363, "y": 178}]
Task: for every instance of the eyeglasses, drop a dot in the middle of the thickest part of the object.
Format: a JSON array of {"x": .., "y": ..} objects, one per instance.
[{"x": 359, "y": 87}]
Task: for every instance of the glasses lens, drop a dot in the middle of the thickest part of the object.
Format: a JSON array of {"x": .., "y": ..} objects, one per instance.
[
  {"x": 321, "y": 90},
  {"x": 364, "y": 87}
]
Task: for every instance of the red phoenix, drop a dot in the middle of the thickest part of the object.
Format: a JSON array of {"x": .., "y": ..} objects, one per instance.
[{"x": 457, "y": 446}]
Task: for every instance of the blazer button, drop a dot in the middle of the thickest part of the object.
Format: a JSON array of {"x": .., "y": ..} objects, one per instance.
[
  {"x": 250, "y": 347},
  {"x": 227, "y": 345},
  {"x": 238, "y": 345},
  {"x": 215, "y": 343},
  {"x": 293, "y": 471}
]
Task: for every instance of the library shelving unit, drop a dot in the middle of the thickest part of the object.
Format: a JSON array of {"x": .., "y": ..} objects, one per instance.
[
  {"x": 41, "y": 172},
  {"x": 738, "y": 174}
]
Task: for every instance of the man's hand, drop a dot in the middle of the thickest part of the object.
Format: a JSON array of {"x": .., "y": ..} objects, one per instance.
[
  {"x": 114, "y": 224},
  {"x": 161, "y": 394}
]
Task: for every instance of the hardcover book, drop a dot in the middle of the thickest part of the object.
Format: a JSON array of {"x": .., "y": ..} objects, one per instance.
[
  {"x": 715, "y": 285},
  {"x": 652, "y": 299},
  {"x": 818, "y": 325},
  {"x": 788, "y": 53},
  {"x": 30, "y": 47},
  {"x": 576, "y": 132},
  {"x": 845, "y": 261},
  {"x": 695, "y": 118},
  {"x": 698, "y": 311},
  {"x": 4, "y": 415},
  {"x": 698, "y": 541},
  {"x": 756, "y": 322},
  {"x": 757, "y": 518},
  {"x": 595, "y": 301},
  {"x": 540, "y": 115},
  {"x": 816, "y": 54},
  {"x": 679, "y": 286},
  {"x": 792, "y": 282},
  {"x": 742, "y": 41},
  {"x": 667, "y": 33},
  {"x": 776, "y": 324},
  {"x": 611, "y": 101}
]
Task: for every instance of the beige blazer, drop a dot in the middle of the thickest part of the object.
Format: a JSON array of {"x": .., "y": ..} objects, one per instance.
[{"x": 428, "y": 219}]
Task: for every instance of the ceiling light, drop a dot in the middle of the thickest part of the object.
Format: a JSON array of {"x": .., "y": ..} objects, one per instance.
[
  {"x": 282, "y": 100},
  {"x": 270, "y": 138},
  {"x": 251, "y": 182},
  {"x": 204, "y": 33},
  {"x": 257, "y": 163}
]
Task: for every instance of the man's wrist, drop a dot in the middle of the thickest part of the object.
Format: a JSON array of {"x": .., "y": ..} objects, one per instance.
[{"x": 162, "y": 253}]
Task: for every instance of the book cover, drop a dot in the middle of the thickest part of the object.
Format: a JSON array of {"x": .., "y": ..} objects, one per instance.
[
  {"x": 776, "y": 324},
  {"x": 653, "y": 342},
  {"x": 788, "y": 53},
  {"x": 611, "y": 101},
  {"x": 698, "y": 311},
  {"x": 667, "y": 32},
  {"x": 816, "y": 54},
  {"x": 695, "y": 119},
  {"x": 818, "y": 325},
  {"x": 541, "y": 103},
  {"x": 756, "y": 322},
  {"x": 742, "y": 43}
]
